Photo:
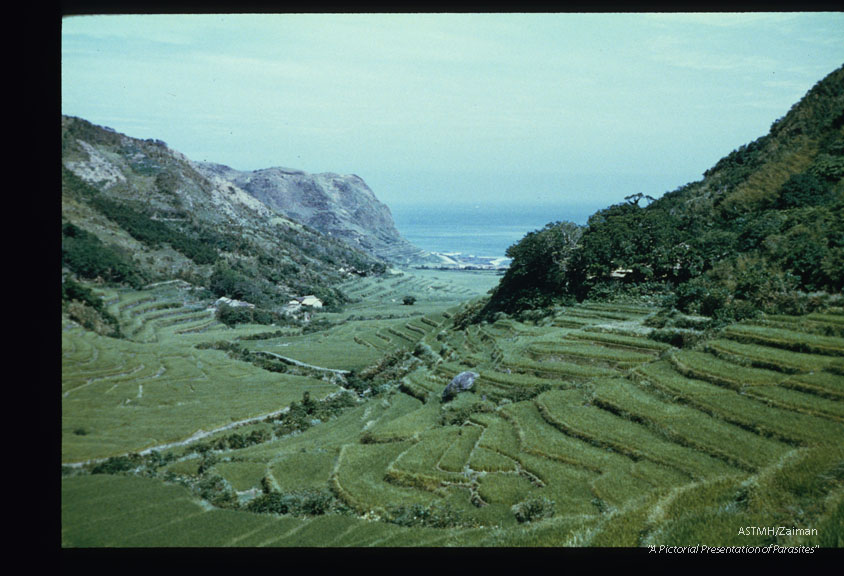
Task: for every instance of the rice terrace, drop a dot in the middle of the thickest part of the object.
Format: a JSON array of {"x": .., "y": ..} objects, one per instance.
[
  {"x": 260, "y": 359},
  {"x": 580, "y": 430}
]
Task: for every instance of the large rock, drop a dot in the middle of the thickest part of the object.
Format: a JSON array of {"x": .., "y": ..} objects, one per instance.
[{"x": 460, "y": 383}]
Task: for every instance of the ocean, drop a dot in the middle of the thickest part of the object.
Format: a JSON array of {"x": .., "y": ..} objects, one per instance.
[{"x": 477, "y": 230}]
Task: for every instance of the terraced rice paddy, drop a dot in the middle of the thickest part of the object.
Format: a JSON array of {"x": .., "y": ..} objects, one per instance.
[{"x": 613, "y": 438}]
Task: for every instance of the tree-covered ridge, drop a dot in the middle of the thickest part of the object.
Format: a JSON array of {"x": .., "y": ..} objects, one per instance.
[{"x": 762, "y": 230}]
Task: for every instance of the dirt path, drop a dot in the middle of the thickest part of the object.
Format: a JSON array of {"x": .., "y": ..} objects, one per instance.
[
  {"x": 198, "y": 435},
  {"x": 287, "y": 360}
]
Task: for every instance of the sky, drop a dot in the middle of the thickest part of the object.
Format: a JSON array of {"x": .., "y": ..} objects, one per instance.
[{"x": 564, "y": 110}]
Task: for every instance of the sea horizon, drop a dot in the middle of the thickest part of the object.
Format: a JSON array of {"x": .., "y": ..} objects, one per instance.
[{"x": 481, "y": 230}]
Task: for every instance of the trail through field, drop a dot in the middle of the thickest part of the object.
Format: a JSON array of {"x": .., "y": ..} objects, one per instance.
[
  {"x": 198, "y": 435},
  {"x": 287, "y": 360}
]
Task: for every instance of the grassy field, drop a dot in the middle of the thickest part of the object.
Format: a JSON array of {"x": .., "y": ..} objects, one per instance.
[{"x": 579, "y": 431}]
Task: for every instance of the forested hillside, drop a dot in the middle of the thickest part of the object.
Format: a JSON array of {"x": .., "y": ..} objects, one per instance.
[{"x": 762, "y": 231}]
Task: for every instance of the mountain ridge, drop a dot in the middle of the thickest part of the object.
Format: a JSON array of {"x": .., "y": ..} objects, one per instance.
[
  {"x": 342, "y": 206},
  {"x": 136, "y": 209}
]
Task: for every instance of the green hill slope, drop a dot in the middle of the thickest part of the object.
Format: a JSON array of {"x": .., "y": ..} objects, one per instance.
[{"x": 763, "y": 229}]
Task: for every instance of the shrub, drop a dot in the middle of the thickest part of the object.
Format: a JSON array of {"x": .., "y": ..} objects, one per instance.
[
  {"x": 303, "y": 503},
  {"x": 538, "y": 272},
  {"x": 153, "y": 232},
  {"x": 677, "y": 337},
  {"x": 83, "y": 306},
  {"x": 117, "y": 464},
  {"x": 801, "y": 190},
  {"x": 233, "y": 315},
  {"x": 217, "y": 491},
  {"x": 434, "y": 516},
  {"x": 459, "y": 415},
  {"x": 533, "y": 509},
  {"x": 270, "y": 503}
]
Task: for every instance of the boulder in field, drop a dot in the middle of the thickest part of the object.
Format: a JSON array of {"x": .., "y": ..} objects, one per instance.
[{"x": 460, "y": 383}]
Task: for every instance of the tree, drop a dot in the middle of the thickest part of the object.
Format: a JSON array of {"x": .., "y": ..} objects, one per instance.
[
  {"x": 409, "y": 300},
  {"x": 537, "y": 274}
]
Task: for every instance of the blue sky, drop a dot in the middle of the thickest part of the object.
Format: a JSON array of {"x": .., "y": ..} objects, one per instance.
[{"x": 558, "y": 109}]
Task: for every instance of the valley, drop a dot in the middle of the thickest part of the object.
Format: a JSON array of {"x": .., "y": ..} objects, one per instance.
[
  {"x": 580, "y": 429},
  {"x": 261, "y": 359}
]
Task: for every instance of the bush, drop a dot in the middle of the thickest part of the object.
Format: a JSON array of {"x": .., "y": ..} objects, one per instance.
[
  {"x": 217, "y": 491},
  {"x": 83, "y": 306},
  {"x": 270, "y": 503},
  {"x": 304, "y": 503},
  {"x": 117, "y": 464},
  {"x": 433, "y": 515},
  {"x": 538, "y": 272},
  {"x": 233, "y": 315},
  {"x": 801, "y": 190},
  {"x": 677, "y": 337},
  {"x": 533, "y": 509},
  {"x": 457, "y": 416}
]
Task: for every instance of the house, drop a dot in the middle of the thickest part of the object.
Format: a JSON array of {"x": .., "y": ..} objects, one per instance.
[
  {"x": 233, "y": 303},
  {"x": 301, "y": 304},
  {"x": 310, "y": 300}
]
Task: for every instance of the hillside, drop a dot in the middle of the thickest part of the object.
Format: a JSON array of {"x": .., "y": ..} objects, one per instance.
[
  {"x": 135, "y": 211},
  {"x": 763, "y": 230},
  {"x": 342, "y": 207}
]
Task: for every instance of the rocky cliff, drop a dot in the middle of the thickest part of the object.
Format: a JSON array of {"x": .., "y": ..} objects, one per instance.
[{"x": 342, "y": 207}]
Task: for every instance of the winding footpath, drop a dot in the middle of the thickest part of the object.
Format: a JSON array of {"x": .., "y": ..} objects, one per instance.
[
  {"x": 199, "y": 434},
  {"x": 293, "y": 362}
]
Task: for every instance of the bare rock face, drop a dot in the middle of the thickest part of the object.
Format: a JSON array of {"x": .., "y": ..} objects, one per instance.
[
  {"x": 460, "y": 383},
  {"x": 343, "y": 207}
]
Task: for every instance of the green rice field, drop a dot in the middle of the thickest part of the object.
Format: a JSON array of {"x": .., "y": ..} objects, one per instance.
[{"x": 580, "y": 429}]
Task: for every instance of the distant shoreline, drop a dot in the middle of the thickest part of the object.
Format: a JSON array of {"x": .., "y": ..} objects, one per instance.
[{"x": 457, "y": 261}]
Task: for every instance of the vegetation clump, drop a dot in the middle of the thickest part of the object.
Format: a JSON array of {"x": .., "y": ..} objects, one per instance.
[
  {"x": 234, "y": 315},
  {"x": 533, "y": 509},
  {"x": 300, "y": 503},
  {"x": 434, "y": 515},
  {"x": 85, "y": 254},
  {"x": 302, "y": 415},
  {"x": 83, "y": 306},
  {"x": 458, "y": 415},
  {"x": 217, "y": 491},
  {"x": 384, "y": 375},
  {"x": 118, "y": 464},
  {"x": 538, "y": 273}
]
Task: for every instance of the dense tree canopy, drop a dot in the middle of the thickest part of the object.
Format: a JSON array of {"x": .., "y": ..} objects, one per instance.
[{"x": 537, "y": 274}]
